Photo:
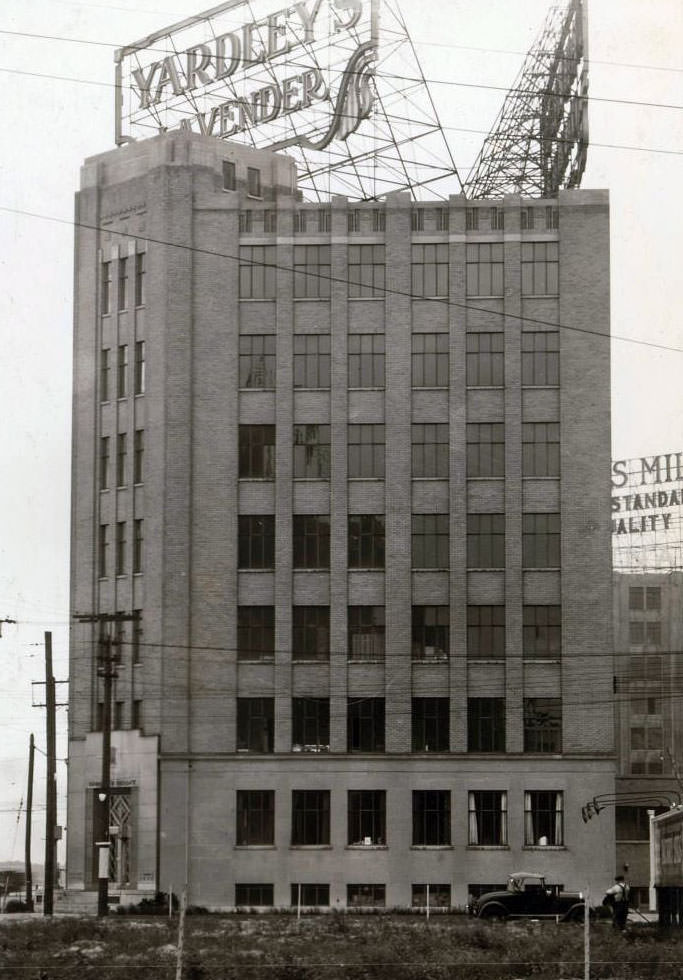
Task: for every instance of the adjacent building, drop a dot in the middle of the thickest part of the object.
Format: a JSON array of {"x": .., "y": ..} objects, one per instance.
[{"x": 347, "y": 465}]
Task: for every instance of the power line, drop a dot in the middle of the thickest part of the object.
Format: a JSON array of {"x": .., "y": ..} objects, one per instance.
[{"x": 386, "y": 290}]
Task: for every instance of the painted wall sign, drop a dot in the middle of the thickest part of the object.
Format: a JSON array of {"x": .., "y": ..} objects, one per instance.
[
  {"x": 647, "y": 493},
  {"x": 299, "y": 75}
]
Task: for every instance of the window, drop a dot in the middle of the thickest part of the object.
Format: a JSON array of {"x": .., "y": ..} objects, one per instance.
[
  {"x": 379, "y": 220},
  {"x": 647, "y": 633},
  {"x": 366, "y": 896},
  {"x": 432, "y": 896},
  {"x": 137, "y": 545},
  {"x": 310, "y": 633},
  {"x": 365, "y": 724},
  {"x": 99, "y": 717},
  {"x": 540, "y": 268},
  {"x": 366, "y": 633},
  {"x": 541, "y": 449},
  {"x": 312, "y": 452},
  {"x": 104, "y": 375},
  {"x": 138, "y": 455},
  {"x": 430, "y": 725},
  {"x": 257, "y": 361},
  {"x": 417, "y": 219},
  {"x": 324, "y": 219},
  {"x": 106, "y": 287},
  {"x": 486, "y": 724},
  {"x": 253, "y": 895},
  {"x": 255, "y": 817},
  {"x": 442, "y": 219},
  {"x": 312, "y": 360},
  {"x": 310, "y": 895},
  {"x": 485, "y": 270},
  {"x": 486, "y": 632},
  {"x": 102, "y": 548},
  {"x": 311, "y": 541},
  {"x": 485, "y": 449},
  {"x": 471, "y": 219},
  {"x": 310, "y": 817},
  {"x": 430, "y": 449},
  {"x": 121, "y": 450},
  {"x": 487, "y": 818},
  {"x": 311, "y": 724},
  {"x": 541, "y": 540},
  {"x": 257, "y": 271},
  {"x": 255, "y": 632},
  {"x": 430, "y": 360},
  {"x": 253, "y": 182},
  {"x": 430, "y": 270},
  {"x": 353, "y": 220},
  {"x": 485, "y": 540},
  {"x": 653, "y": 597},
  {"x": 270, "y": 222},
  {"x": 366, "y": 451},
  {"x": 636, "y": 632},
  {"x": 139, "y": 367},
  {"x": 526, "y": 219},
  {"x": 430, "y": 541},
  {"x": 255, "y": 723},
  {"x": 542, "y": 725},
  {"x": 120, "y": 557},
  {"x": 636, "y": 597},
  {"x": 633, "y": 822},
  {"x": 104, "y": 463},
  {"x": 541, "y": 632},
  {"x": 543, "y": 818},
  {"x": 123, "y": 283},
  {"x": 140, "y": 259},
  {"x": 257, "y": 452},
  {"x": 122, "y": 372},
  {"x": 137, "y": 636},
  {"x": 497, "y": 219},
  {"x": 229, "y": 176},
  {"x": 117, "y": 719},
  {"x": 366, "y": 269},
  {"x": 485, "y": 360},
  {"x": 552, "y": 219},
  {"x": 541, "y": 359},
  {"x": 640, "y": 597},
  {"x": 312, "y": 271},
  {"x": 246, "y": 222},
  {"x": 299, "y": 221},
  {"x": 366, "y": 360},
  {"x": 136, "y": 715},
  {"x": 367, "y": 816},
  {"x": 430, "y": 632},
  {"x": 366, "y": 541},
  {"x": 256, "y": 541},
  {"x": 431, "y": 818}
]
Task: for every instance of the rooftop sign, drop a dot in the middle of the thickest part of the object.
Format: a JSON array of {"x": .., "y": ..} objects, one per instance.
[
  {"x": 299, "y": 75},
  {"x": 647, "y": 511}
]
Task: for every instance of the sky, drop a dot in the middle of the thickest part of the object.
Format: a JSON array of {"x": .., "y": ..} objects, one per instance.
[{"x": 57, "y": 109}]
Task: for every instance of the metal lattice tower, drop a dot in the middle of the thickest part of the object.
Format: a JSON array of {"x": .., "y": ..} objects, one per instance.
[{"x": 539, "y": 141}]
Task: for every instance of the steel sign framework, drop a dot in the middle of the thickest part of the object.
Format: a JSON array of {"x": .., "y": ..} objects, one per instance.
[{"x": 334, "y": 83}]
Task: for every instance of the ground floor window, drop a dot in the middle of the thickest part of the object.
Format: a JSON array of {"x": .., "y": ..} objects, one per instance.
[
  {"x": 367, "y": 896},
  {"x": 434, "y": 896},
  {"x": 253, "y": 894},
  {"x": 543, "y": 818},
  {"x": 304, "y": 893}
]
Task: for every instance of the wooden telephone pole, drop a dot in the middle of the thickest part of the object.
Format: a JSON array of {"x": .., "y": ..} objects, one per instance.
[
  {"x": 108, "y": 659},
  {"x": 29, "y": 814},
  {"x": 51, "y": 780}
]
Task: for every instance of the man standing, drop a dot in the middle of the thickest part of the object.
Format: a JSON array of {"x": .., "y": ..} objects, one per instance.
[{"x": 618, "y": 897}]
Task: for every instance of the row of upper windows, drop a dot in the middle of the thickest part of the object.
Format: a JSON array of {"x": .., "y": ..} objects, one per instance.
[
  {"x": 366, "y": 810},
  {"x": 121, "y": 386},
  {"x": 485, "y": 360},
  {"x": 485, "y": 450},
  {"x": 366, "y": 633},
  {"x": 312, "y": 270},
  {"x": 429, "y": 537},
  {"x": 121, "y": 475},
  {"x": 125, "y": 558},
  {"x": 123, "y": 290},
  {"x": 366, "y": 725}
]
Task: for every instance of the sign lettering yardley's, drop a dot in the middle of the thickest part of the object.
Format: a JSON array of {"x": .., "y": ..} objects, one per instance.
[
  {"x": 650, "y": 491},
  {"x": 257, "y": 73}
]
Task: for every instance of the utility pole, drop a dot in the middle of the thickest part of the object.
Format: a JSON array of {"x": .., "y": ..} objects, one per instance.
[
  {"x": 29, "y": 808},
  {"x": 51, "y": 782},
  {"x": 108, "y": 659}
]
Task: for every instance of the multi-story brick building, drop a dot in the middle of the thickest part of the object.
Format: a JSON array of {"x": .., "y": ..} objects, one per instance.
[
  {"x": 648, "y": 647},
  {"x": 349, "y": 462}
]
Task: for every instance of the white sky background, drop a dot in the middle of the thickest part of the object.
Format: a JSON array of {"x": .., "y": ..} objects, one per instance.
[{"x": 50, "y": 125}]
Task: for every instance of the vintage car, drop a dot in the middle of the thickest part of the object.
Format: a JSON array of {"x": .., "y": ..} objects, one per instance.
[{"x": 529, "y": 896}]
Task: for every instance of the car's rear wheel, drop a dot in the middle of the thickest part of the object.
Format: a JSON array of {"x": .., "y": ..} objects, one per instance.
[{"x": 494, "y": 913}]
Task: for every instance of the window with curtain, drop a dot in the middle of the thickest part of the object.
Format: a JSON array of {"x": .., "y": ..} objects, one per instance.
[
  {"x": 487, "y": 818},
  {"x": 543, "y": 818}
]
